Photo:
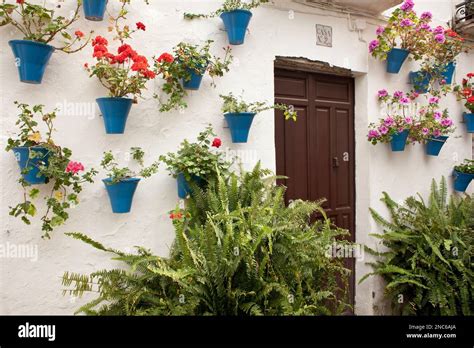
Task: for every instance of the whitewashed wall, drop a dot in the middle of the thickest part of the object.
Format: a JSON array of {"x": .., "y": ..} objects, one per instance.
[{"x": 34, "y": 287}]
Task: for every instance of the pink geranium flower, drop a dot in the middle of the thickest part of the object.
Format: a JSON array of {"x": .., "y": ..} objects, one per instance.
[{"x": 74, "y": 167}]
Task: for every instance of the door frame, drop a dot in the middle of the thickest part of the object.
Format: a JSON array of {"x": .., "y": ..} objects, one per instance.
[{"x": 304, "y": 66}]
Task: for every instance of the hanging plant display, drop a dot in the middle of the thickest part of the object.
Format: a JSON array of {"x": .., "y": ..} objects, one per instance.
[
  {"x": 196, "y": 163},
  {"x": 398, "y": 123},
  {"x": 185, "y": 69},
  {"x": 239, "y": 115},
  {"x": 121, "y": 183},
  {"x": 405, "y": 34},
  {"x": 42, "y": 161},
  {"x": 465, "y": 92},
  {"x": 40, "y": 26},
  {"x": 94, "y": 9},
  {"x": 236, "y": 16}
]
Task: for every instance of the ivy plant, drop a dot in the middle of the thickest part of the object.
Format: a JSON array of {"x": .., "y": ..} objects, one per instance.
[
  {"x": 233, "y": 104},
  {"x": 228, "y": 6},
  {"x": 117, "y": 173},
  {"x": 41, "y": 24},
  {"x": 61, "y": 173}
]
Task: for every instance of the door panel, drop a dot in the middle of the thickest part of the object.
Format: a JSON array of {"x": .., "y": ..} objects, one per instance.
[{"x": 316, "y": 152}]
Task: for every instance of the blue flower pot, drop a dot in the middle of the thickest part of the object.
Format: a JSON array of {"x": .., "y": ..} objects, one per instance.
[
  {"x": 462, "y": 180},
  {"x": 31, "y": 59},
  {"x": 469, "y": 119},
  {"x": 94, "y": 9},
  {"x": 395, "y": 59},
  {"x": 115, "y": 113},
  {"x": 236, "y": 23},
  {"x": 421, "y": 80},
  {"x": 434, "y": 145},
  {"x": 195, "y": 82},
  {"x": 399, "y": 141},
  {"x": 183, "y": 186},
  {"x": 22, "y": 155},
  {"x": 239, "y": 124},
  {"x": 448, "y": 72},
  {"x": 121, "y": 194}
]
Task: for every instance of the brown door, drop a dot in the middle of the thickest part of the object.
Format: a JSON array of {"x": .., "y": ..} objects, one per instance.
[{"x": 317, "y": 151}]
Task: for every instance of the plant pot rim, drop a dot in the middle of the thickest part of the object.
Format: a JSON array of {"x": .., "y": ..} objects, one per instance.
[
  {"x": 114, "y": 98},
  {"x": 30, "y": 147},
  {"x": 400, "y": 49},
  {"x": 441, "y": 137},
  {"x": 458, "y": 172},
  {"x": 240, "y": 113},
  {"x": 108, "y": 180},
  {"x": 30, "y": 42},
  {"x": 238, "y": 10}
]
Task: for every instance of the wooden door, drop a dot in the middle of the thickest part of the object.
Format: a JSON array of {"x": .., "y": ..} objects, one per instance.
[{"x": 317, "y": 151}]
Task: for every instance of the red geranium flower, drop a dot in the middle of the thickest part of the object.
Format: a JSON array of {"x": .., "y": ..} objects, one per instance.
[
  {"x": 470, "y": 75},
  {"x": 99, "y": 40},
  {"x": 141, "y": 26},
  {"x": 165, "y": 57},
  {"x": 470, "y": 100},
  {"x": 20, "y": 1},
  {"x": 467, "y": 92},
  {"x": 217, "y": 143},
  {"x": 79, "y": 33}
]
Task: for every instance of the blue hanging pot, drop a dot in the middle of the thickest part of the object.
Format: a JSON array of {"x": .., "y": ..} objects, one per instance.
[
  {"x": 420, "y": 80},
  {"x": 395, "y": 59},
  {"x": 462, "y": 180},
  {"x": 31, "y": 59},
  {"x": 183, "y": 186},
  {"x": 448, "y": 72},
  {"x": 22, "y": 155},
  {"x": 236, "y": 23},
  {"x": 121, "y": 194},
  {"x": 435, "y": 144},
  {"x": 94, "y": 9},
  {"x": 399, "y": 141},
  {"x": 195, "y": 81},
  {"x": 115, "y": 113},
  {"x": 239, "y": 125},
  {"x": 469, "y": 119}
]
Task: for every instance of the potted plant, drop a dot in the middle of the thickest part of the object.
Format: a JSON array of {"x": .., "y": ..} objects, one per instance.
[
  {"x": 239, "y": 115},
  {"x": 398, "y": 123},
  {"x": 39, "y": 26},
  {"x": 121, "y": 183},
  {"x": 434, "y": 127},
  {"x": 41, "y": 161},
  {"x": 236, "y": 16},
  {"x": 405, "y": 33},
  {"x": 185, "y": 70},
  {"x": 196, "y": 163},
  {"x": 94, "y": 9},
  {"x": 465, "y": 92},
  {"x": 124, "y": 75},
  {"x": 463, "y": 175}
]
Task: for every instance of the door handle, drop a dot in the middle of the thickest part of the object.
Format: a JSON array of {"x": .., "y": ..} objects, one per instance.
[{"x": 335, "y": 162}]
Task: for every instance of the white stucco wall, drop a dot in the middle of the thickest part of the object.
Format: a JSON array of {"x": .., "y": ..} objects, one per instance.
[{"x": 28, "y": 287}]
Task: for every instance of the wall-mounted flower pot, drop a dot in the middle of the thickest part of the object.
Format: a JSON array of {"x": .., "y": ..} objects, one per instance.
[
  {"x": 462, "y": 180},
  {"x": 22, "y": 155},
  {"x": 434, "y": 145},
  {"x": 31, "y": 59},
  {"x": 469, "y": 119},
  {"x": 115, "y": 113},
  {"x": 121, "y": 194},
  {"x": 448, "y": 72},
  {"x": 239, "y": 125},
  {"x": 395, "y": 59},
  {"x": 421, "y": 80},
  {"x": 196, "y": 77},
  {"x": 183, "y": 186},
  {"x": 94, "y": 9},
  {"x": 236, "y": 23},
  {"x": 399, "y": 141}
]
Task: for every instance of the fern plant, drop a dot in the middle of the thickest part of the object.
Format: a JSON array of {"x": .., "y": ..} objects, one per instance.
[
  {"x": 428, "y": 264},
  {"x": 238, "y": 251}
]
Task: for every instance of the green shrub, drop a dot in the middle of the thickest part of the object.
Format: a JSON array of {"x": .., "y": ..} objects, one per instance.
[
  {"x": 238, "y": 251},
  {"x": 428, "y": 265}
]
